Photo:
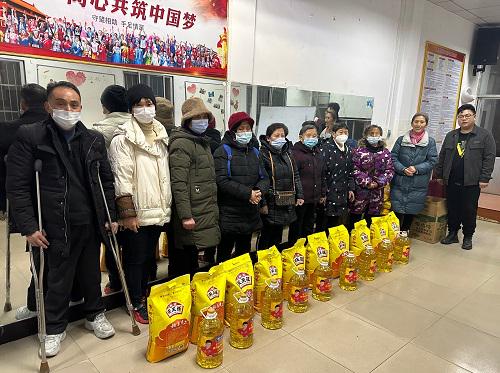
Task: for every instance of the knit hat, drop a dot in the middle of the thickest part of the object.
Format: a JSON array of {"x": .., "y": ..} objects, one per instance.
[
  {"x": 193, "y": 107},
  {"x": 164, "y": 111},
  {"x": 114, "y": 99},
  {"x": 236, "y": 118},
  {"x": 136, "y": 93}
]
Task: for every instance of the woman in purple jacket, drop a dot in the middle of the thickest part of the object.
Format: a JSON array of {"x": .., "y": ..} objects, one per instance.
[{"x": 373, "y": 170}]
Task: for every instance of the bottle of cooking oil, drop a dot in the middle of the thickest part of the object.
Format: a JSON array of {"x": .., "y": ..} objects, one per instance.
[
  {"x": 241, "y": 322},
  {"x": 272, "y": 306},
  {"x": 348, "y": 279},
  {"x": 322, "y": 281},
  {"x": 367, "y": 264},
  {"x": 298, "y": 298},
  {"x": 210, "y": 341},
  {"x": 385, "y": 255},
  {"x": 402, "y": 248}
]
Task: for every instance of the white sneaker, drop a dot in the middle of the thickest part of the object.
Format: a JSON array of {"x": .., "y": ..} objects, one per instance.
[
  {"x": 24, "y": 313},
  {"x": 101, "y": 326},
  {"x": 53, "y": 344}
]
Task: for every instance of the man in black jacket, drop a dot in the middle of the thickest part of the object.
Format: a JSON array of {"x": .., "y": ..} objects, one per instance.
[
  {"x": 73, "y": 210},
  {"x": 465, "y": 165},
  {"x": 33, "y": 98}
]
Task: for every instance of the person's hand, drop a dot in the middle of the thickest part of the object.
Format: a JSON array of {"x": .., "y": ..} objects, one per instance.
[
  {"x": 408, "y": 172},
  {"x": 131, "y": 224},
  {"x": 300, "y": 202},
  {"x": 38, "y": 239},
  {"x": 114, "y": 227},
  {"x": 372, "y": 185},
  {"x": 483, "y": 185},
  {"x": 440, "y": 181},
  {"x": 255, "y": 197},
  {"x": 322, "y": 200},
  {"x": 264, "y": 210},
  {"x": 188, "y": 224},
  {"x": 412, "y": 169},
  {"x": 351, "y": 196}
]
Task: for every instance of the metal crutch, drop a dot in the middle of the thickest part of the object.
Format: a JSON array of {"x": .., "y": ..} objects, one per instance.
[
  {"x": 116, "y": 254},
  {"x": 38, "y": 277},
  {"x": 8, "y": 306}
]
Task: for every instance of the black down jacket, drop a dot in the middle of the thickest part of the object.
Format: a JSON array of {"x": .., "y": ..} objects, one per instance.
[
  {"x": 237, "y": 214},
  {"x": 40, "y": 141},
  {"x": 285, "y": 174}
]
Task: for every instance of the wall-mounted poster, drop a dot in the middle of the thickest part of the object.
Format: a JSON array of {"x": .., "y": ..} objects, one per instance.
[
  {"x": 214, "y": 97},
  {"x": 89, "y": 84},
  {"x": 177, "y": 36},
  {"x": 440, "y": 88}
]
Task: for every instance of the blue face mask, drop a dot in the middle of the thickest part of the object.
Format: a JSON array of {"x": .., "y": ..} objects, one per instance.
[
  {"x": 278, "y": 143},
  {"x": 373, "y": 140},
  {"x": 311, "y": 142},
  {"x": 199, "y": 126},
  {"x": 243, "y": 138}
]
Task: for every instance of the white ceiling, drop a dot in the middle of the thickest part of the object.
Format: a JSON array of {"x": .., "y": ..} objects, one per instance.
[{"x": 480, "y": 12}]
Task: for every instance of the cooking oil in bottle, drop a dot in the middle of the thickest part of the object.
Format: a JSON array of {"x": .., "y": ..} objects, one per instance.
[
  {"x": 348, "y": 279},
  {"x": 322, "y": 282},
  {"x": 298, "y": 298},
  {"x": 272, "y": 306},
  {"x": 241, "y": 322},
  {"x": 210, "y": 342},
  {"x": 367, "y": 264},
  {"x": 402, "y": 248},
  {"x": 385, "y": 255}
]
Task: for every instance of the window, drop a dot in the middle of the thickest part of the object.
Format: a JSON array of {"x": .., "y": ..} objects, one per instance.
[
  {"x": 270, "y": 96},
  {"x": 488, "y": 106},
  {"x": 162, "y": 85},
  {"x": 11, "y": 81}
]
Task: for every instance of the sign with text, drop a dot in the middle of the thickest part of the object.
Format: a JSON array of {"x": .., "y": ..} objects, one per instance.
[{"x": 179, "y": 36}]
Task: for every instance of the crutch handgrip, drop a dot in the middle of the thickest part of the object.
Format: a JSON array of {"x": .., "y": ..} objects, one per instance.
[{"x": 38, "y": 165}]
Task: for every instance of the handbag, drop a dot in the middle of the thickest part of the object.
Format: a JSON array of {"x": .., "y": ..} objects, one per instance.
[{"x": 283, "y": 198}]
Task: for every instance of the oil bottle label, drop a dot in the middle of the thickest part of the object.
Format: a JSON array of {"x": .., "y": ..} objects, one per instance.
[
  {"x": 323, "y": 285},
  {"x": 212, "y": 347},
  {"x": 245, "y": 327},
  {"x": 373, "y": 266},
  {"x": 351, "y": 276},
  {"x": 389, "y": 259},
  {"x": 406, "y": 251},
  {"x": 276, "y": 310},
  {"x": 298, "y": 295}
]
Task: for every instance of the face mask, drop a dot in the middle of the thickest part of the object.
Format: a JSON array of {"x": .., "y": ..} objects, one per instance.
[
  {"x": 66, "y": 119},
  {"x": 373, "y": 140},
  {"x": 243, "y": 137},
  {"x": 341, "y": 139},
  {"x": 199, "y": 126},
  {"x": 278, "y": 143},
  {"x": 311, "y": 142},
  {"x": 145, "y": 114}
]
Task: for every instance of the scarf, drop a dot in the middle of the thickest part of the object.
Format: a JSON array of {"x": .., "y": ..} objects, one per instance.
[{"x": 415, "y": 138}]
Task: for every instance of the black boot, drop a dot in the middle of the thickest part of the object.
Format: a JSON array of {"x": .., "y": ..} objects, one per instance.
[
  {"x": 467, "y": 244},
  {"x": 450, "y": 238}
]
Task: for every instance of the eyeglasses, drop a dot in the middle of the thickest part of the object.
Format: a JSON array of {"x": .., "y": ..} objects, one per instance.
[{"x": 466, "y": 116}]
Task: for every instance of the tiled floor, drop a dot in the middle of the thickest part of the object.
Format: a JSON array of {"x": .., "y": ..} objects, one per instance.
[{"x": 441, "y": 313}]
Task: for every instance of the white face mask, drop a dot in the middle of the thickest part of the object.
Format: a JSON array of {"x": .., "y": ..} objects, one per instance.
[
  {"x": 67, "y": 120},
  {"x": 145, "y": 114},
  {"x": 341, "y": 139}
]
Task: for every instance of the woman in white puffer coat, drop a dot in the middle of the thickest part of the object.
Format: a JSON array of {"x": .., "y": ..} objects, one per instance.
[{"x": 139, "y": 159}]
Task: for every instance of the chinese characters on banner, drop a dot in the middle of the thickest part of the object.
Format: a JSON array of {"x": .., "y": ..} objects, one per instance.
[{"x": 185, "y": 36}]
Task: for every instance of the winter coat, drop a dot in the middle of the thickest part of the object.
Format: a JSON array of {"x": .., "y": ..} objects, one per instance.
[
  {"x": 237, "y": 214},
  {"x": 408, "y": 192},
  {"x": 141, "y": 171},
  {"x": 214, "y": 138},
  {"x": 311, "y": 168},
  {"x": 194, "y": 189},
  {"x": 370, "y": 166},
  {"x": 41, "y": 141},
  {"x": 109, "y": 124},
  {"x": 285, "y": 175},
  {"x": 339, "y": 178},
  {"x": 479, "y": 157}
]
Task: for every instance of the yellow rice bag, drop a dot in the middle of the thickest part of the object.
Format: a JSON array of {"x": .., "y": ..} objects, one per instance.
[
  {"x": 378, "y": 230},
  {"x": 169, "y": 310},
  {"x": 393, "y": 224},
  {"x": 268, "y": 266},
  {"x": 360, "y": 237},
  {"x": 386, "y": 204},
  {"x": 338, "y": 240},
  {"x": 239, "y": 278},
  {"x": 317, "y": 248},
  {"x": 290, "y": 258},
  {"x": 208, "y": 289}
]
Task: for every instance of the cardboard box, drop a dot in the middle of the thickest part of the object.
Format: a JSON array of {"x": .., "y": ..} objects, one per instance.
[{"x": 430, "y": 225}]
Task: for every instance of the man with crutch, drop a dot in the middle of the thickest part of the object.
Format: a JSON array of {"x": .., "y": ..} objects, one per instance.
[{"x": 72, "y": 208}]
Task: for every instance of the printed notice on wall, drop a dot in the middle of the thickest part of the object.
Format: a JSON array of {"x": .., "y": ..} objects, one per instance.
[{"x": 440, "y": 88}]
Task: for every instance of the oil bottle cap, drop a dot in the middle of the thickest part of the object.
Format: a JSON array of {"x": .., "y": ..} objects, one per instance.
[
  {"x": 274, "y": 283},
  {"x": 350, "y": 254},
  {"x": 299, "y": 270},
  {"x": 323, "y": 263},
  {"x": 211, "y": 314},
  {"x": 368, "y": 247},
  {"x": 241, "y": 298},
  {"x": 403, "y": 233},
  {"x": 386, "y": 240}
]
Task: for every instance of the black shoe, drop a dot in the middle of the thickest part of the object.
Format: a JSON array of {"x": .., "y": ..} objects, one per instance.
[
  {"x": 467, "y": 244},
  {"x": 450, "y": 238}
]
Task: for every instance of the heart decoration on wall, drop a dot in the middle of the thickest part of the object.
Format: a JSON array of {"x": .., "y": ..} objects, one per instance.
[
  {"x": 192, "y": 89},
  {"x": 77, "y": 78},
  {"x": 236, "y": 92}
]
